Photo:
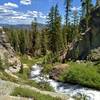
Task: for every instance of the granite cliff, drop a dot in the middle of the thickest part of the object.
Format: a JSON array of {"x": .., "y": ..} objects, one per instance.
[{"x": 8, "y": 53}]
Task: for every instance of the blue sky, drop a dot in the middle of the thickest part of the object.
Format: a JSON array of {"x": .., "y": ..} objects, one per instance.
[{"x": 24, "y": 11}]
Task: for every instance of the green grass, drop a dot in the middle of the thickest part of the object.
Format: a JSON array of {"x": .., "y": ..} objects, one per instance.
[
  {"x": 25, "y": 92},
  {"x": 25, "y": 80},
  {"x": 41, "y": 86},
  {"x": 26, "y": 74},
  {"x": 85, "y": 74},
  {"x": 47, "y": 68},
  {"x": 5, "y": 76},
  {"x": 25, "y": 60}
]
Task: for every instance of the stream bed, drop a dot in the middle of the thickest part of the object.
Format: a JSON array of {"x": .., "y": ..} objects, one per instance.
[{"x": 65, "y": 88}]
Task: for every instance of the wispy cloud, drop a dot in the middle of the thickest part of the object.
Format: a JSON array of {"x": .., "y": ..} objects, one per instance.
[
  {"x": 7, "y": 8},
  {"x": 32, "y": 13},
  {"x": 42, "y": 15},
  {"x": 25, "y": 2},
  {"x": 8, "y": 14},
  {"x": 17, "y": 17},
  {"x": 10, "y": 5}
]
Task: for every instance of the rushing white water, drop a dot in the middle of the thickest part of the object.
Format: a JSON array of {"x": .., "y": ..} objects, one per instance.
[{"x": 68, "y": 89}]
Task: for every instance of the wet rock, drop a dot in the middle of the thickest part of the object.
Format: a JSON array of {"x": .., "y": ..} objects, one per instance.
[{"x": 57, "y": 70}]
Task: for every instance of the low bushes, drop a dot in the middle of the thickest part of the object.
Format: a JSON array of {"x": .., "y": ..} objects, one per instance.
[
  {"x": 47, "y": 68},
  {"x": 30, "y": 61},
  {"x": 42, "y": 86},
  {"x": 83, "y": 74},
  {"x": 25, "y": 92},
  {"x": 25, "y": 74},
  {"x": 25, "y": 79}
]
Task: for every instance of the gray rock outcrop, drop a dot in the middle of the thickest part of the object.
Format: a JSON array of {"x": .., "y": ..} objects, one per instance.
[{"x": 8, "y": 53}]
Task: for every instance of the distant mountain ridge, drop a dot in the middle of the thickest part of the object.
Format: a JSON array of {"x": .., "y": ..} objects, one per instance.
[{"x": 23, "y": 26}]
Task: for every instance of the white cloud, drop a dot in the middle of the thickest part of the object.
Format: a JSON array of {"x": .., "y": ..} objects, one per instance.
[
  {"x": 8, "y": 8},
  {"x": 9, "y": 15},
  {"x": 73, "y": 8},
  {"x": 42, "y": 15},
  {"x": 33, "y": 13},
  {"x": 19, "y": 17},
  {"x": 16, "y": 17},
  {"x": 76, "y": 8},
  {"x": 25, "y": 2},
  {"x": 10, "y": 5},
  {"x": 36, "y": 14}
]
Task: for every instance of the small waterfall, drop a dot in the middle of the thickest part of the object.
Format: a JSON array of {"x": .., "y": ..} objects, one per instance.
[{"x": 65, "y": 88}]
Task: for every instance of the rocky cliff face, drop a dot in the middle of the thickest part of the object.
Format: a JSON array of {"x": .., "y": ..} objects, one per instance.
[{"x": 7, "y": 52}]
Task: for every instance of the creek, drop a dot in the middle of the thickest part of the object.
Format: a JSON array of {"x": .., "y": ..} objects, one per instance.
[{"x": 66, "y": 88}]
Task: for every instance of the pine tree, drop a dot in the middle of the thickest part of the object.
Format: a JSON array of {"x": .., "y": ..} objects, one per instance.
[
  {"x": 67, "y": 15},
  {"x": 83, "y": 8},
  {"x": 28, "y": 40},
  {"x": 43, "y": 42},
  {"x": 22, "y": 45},
  {"x": 57, "y": 25},
  {"x": 51, "y": 32},
  {"x": 67, "y": 7},
  {"x": 75, "y": 26},
  {"x": 14, "y": 39},
  {"x": 55, "y": 39},
  {"x": 87, "y": 6},
  {"x": 97, "y": 3},
  {"x": 64, "y": 30},
  {"x": 33, "y": 35}
]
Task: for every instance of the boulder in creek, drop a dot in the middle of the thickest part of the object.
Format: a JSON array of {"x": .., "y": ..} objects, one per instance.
[{"x": 57, "y": 70}]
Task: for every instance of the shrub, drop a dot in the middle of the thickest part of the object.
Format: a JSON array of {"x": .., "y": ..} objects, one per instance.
[
  {"x": 47, "y": 68},
  {"x": 25, "y": 74},
  {"x": 25, "y": 79},
  {"x": 25, "y": 92},
  {"x": 42, "y": 86},
  {"x": 33, "y": 60},
  {"x": 82, "y": 74}
]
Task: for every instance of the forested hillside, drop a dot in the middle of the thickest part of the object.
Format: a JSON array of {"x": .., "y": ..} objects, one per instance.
[{"x": 74, "y": 40}]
